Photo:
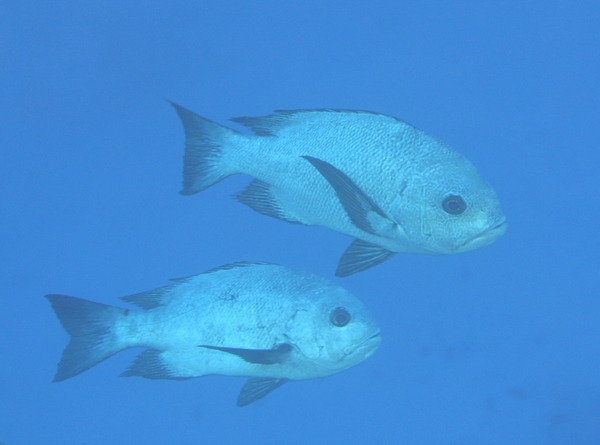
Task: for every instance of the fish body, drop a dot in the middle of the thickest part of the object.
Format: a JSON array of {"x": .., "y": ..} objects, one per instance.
[
  {"x": 257, "y": 320},
  {"x": 370, "y": 176}
]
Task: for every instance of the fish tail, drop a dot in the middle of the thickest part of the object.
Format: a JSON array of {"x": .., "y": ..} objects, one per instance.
[
  {"x": 205, "y": 144},
  {"x": 91, "y": 327}
]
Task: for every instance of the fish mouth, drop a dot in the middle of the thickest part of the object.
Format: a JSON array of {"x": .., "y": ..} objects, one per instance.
[
  {"x": 351, "y": 355},
  {"x": 367, "y": 347},
  {"x": 486, "y": 237}
]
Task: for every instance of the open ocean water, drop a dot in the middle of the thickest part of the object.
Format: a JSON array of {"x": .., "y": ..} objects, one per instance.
[{"x": 492, "y": 347}]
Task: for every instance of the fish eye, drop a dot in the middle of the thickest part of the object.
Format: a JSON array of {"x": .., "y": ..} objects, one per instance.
[
  {"x": 340, "y": 317},
  {"x": 454, "y": 205}
]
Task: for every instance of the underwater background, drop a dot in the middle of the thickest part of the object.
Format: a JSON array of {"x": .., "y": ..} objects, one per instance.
[{"x": 496, "y": 346}]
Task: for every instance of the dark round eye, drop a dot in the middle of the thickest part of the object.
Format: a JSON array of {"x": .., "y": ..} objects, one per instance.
[
  {"x": 454, "y": 205},
  {"x": 340, "y": 317}
]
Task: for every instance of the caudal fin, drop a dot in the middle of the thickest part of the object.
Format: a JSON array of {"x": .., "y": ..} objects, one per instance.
[
  {"x": 90, "y": 326},
  {"x": 205, "y": 141}
]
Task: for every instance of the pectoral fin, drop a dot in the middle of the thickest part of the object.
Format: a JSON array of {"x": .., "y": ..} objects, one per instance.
[
  {"x": 361, "y": 255},
  {"x": 258, "y": 356},
  {"x": 257, "y": 388},
  {"x": 361, "y": 209}
]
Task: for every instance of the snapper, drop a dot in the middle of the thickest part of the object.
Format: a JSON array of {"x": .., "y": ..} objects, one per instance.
[
  {"x": 257, "y": 320},
  {"x": 370, "y": 176}
]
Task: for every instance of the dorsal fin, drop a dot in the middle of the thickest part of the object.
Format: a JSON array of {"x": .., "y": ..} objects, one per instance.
[
  {"x": 270, "y": 125},
  {"x": 154, "y": 298},
  {"x": 150, "y": 299},
  {"x": 239, "y": 264},
  {"x": 266, "y": 125}
]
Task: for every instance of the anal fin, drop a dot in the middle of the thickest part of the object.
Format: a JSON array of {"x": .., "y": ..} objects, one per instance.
[
  {"x": 257, "y": 388},
  {"x": 150, "y": 365},
  {"x": 361, "y": 255},
  {"x": 258, "y": 196}
]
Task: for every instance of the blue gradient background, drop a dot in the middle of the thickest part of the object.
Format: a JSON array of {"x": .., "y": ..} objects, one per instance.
[{"x": 496, "y": 346}]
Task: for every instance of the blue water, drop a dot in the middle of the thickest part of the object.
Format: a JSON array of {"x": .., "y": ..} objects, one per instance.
[{"x": 496, "y": 346}]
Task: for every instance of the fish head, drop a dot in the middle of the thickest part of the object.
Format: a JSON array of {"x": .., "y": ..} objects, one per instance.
[
  {"x": 333, "y": 332},
  {"x": 447, "y": 207}
]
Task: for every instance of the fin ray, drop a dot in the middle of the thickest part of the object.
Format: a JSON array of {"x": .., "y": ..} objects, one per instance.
[
  {"x": 272, "y": 124},
  {"x": 90, "y": 326},
  {"x": 150, "y": 365},
  {"x": 149, "y": 299},
  {"x": 240, "y": 264},
  {"x": 361, "y": 255},
  {"x": 159, "y": 297},
  {"x": 257, "y": 388},
  {"x": 258, "y": 196},
  {"x": 205, "y": 141}
]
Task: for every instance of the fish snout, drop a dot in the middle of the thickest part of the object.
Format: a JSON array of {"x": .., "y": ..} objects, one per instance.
[
  {"x": 488, "y": 236},
  {"x": 366, "y": 347}
]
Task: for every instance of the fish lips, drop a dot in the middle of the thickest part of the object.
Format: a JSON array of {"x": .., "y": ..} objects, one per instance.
[
  {"x": 352, "y": 355},
  {"x": 486, "y": 237},
  {"x": 367, "y": 347}
]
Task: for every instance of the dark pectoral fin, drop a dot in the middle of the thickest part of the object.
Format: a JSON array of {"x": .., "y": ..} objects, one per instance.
[
  {"x": 257, "y": 388},
  {"x": 361, "y": 255},
  {"x": 258, "y": 356},
  {"x": 361, "y": 209}
]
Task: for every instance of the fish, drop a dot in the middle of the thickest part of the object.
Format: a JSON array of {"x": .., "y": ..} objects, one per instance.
[
  {"x": 258, "y": 320},
  {"x": 367, "y": 175}
]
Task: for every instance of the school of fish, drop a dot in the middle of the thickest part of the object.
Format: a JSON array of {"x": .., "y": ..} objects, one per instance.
[{"x": 383, "y": 182}]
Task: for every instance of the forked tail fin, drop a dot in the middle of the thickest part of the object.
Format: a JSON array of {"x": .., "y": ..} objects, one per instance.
[
  {"x": 205, "y": 145},
  {"x": 91, "y": 327}
]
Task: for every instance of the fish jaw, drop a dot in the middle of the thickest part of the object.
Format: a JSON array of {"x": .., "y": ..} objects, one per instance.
[
  {"x": 484, "y": 238},
  {"x": 367, "y": 347},
  {"x": 356, "y": 354},
  {"x": 348, "y": 357}
]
